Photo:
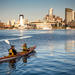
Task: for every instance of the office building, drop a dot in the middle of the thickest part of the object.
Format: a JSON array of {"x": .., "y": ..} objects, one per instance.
[
  {"x": 51, "y": 12},
  {"x": 73, "y": 15},
  {"x": 9, "y": 22},
  {"x": 13, "y": 22},
  {"x": 21, "y": 19},
  {"x": 69, "y": 15}
]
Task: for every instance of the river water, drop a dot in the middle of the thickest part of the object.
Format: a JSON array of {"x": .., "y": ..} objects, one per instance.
[{"x": 55, "y": 52}]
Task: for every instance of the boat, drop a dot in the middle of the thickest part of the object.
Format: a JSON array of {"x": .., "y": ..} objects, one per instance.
[{"x": 19, "y": 54}]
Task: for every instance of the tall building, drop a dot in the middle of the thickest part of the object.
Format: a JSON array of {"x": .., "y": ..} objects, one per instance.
[
  {"x": 9, "y": 22},
  {"x": 69, "y": 14},
  {"x": 73, "y": 15},
  {"x": 0, "y": 20},
  {"x": 13, "y": 22},
  {"x": 51, "y": 12},
  {"x": 21, "y": 19},
  {"x": 26, "y": 21}
]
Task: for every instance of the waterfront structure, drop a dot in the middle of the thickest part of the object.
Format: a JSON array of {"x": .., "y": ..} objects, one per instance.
[
  {"x": 9, "y": 22},
  {"x": 74, "y": 15},
  {"x": 13, "y": 22},
  {"x": 72, "y": 24},
  {"x": 51, "y": 12},
  {"x": 42, "y": 25},
  {"x": 21, "y": 19},
  {"x": 53, "y": 20},
  {"x": 58, "y": 19},
  {"x": 26, "y": 21},
  {"x": 2, "y": 25},
  {"x": 50, "y": 21},
  {"x": 69, "y": 15}
]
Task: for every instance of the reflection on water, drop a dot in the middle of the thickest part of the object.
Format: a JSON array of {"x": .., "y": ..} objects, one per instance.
[
  {"x": 51, "y": 49},
  {"x": 12, "y": 64},
  {"x": 70, "y": 45},
  {"x": 21, "y": 32},
  {"x": 24, "y": 59}
]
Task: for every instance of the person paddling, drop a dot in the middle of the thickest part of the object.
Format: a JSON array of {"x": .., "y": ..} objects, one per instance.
[
  {"x": 25, "y": 47},
  {"x": 12, "y": 50}
]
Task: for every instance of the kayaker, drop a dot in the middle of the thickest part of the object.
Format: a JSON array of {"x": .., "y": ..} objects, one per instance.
[
  {"x": 25, "y": 47},
  {"x": 12, "y": 51}
]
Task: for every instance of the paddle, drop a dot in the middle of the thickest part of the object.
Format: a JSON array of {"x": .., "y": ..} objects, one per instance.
[{"x": 7, "y": 42}]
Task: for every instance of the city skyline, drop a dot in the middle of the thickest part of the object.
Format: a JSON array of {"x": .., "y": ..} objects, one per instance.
[{"x": 33, "y": 9}]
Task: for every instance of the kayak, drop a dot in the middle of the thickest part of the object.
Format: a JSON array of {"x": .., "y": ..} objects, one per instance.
[{"x": 19, "y": 54}]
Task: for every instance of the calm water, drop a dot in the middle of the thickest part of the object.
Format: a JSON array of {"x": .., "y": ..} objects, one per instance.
[{"x": 55, "y": 52}]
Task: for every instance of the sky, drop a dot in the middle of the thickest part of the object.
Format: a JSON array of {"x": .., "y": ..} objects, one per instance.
[{"x": 33, "y": 9}]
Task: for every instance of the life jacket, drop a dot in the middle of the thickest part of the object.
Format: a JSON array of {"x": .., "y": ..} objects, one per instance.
[
  {"x": 11, "y": 52},
  {"x": 24, "y": 48}
]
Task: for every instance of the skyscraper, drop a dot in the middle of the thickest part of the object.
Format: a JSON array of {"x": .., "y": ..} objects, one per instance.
[
  {"x": 51, "y": 12},
  {"x": 13, "y": 22},
  {"x": 21, "y": 19},
  {"x": 68, "y": 15},
  {"x": 73, "y": 15},
  {"x": 9, "y": 22}
]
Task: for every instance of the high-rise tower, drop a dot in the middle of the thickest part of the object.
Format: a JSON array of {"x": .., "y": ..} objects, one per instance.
[
  {"x": 68, "y": 15},
  {"x": 21, "y": 19},
  {"x": 51, "y": 12}
]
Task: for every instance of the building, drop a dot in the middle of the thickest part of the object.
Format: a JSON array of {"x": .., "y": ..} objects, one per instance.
[
  {"x": 2, "y": 25},
  {"x": 58, "y": 19},
  {"x": 9, "y": 22},
  {"x": 26, "y": 21},
  {"x": 42, "y": 25},
  {"x": 21, "y": 19},
  {"x": 0, "y": 21},
  {"x": 13, "y": 22},
  {"x": 72, "y": 24},
  {"x": 51, "y": 12},
  {"x": 69, "y": 15},
  {"x": 74, "y": 15}
]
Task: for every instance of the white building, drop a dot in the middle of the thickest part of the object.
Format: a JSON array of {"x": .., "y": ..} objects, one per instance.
[
  {"x": 21, "y": 19},
  {"x": 9, "y": 22},
  {"x": 13, "y": 22}
]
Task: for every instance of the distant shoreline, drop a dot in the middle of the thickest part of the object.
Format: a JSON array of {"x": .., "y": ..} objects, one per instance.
[{"x": 37, "y": 29}]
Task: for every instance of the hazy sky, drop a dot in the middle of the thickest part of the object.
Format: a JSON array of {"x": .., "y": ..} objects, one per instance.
[{"x": 33, "y": 9}]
